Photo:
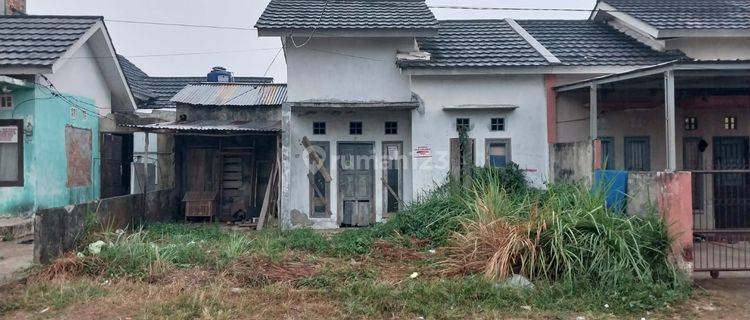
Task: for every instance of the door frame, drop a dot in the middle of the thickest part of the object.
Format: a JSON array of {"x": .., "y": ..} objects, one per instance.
[
  {"x": 339, "y": 197},
  {"x": 384, "y": 173}
]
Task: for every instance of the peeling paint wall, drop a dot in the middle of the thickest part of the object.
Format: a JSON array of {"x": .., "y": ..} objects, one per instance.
[
  {"x": 45, "y": 156},
  {"x": 337, "y": 131},
  {"x": 50, "y": 156},
  {"x": 572, "y": 161}
]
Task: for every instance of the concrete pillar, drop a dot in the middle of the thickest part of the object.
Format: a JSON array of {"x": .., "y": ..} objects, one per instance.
[
  {"x": 285, "y": 216},
  {"x": 593, "y": 112},
  {"x": 670, "y": 122}
]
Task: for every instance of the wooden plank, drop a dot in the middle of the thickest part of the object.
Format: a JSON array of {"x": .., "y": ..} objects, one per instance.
[
  {"x": 267, "y": 199},
  {"x": 392, "y": 192},
  {"x": 316, "y": 158}
]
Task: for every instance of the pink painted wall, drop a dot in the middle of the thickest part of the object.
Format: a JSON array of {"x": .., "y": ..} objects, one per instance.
[{"x": 675, "y": 199}]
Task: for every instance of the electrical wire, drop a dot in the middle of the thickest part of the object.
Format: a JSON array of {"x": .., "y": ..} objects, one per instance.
[{"x": 320, "y": 19}]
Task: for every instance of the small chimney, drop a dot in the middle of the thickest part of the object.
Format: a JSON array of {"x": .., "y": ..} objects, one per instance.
[
  {"x": 220, "y": 74},
  {"x": 14, "y": 7}
]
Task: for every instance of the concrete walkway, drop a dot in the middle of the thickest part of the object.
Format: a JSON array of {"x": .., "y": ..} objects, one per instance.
[{"x": 15, "y": 256}]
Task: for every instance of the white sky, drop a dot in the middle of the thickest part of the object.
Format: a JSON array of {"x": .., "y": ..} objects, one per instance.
[{"x": 248, "y": 54}]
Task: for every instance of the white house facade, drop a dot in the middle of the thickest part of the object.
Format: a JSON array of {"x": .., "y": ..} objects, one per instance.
[{"x": 379, "y": 90}]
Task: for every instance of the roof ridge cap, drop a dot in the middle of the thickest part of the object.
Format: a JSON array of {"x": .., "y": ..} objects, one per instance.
[{"x": 533, "y": 42}]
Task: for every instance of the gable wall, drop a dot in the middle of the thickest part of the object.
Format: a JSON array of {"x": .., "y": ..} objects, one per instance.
[
  {"x": 81, "y": 76},
  {"x": 712, "y": 48},
  {"x": 347, "y": 70}
]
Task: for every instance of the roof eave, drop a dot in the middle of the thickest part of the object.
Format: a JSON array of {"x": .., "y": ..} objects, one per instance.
[{"x": 516, "y": 70}]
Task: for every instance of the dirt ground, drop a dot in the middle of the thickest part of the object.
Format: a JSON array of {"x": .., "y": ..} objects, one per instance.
[
  {"x": 727, "y": 297},
  {"x": 15, "y": 256}
]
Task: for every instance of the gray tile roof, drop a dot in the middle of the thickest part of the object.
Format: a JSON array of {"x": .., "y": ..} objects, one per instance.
[
  {"x": 232, "y": 94},
  {"x": 688, "y": 14},
  {"x": 477, "y": 43},
  {"x": 156, "y": 92},
  {"x": 39, "y": 41},
  {"x": 347, "y": 14},
  {"x": 493, "y": 43},
  {"x": 588, "y": 43}
]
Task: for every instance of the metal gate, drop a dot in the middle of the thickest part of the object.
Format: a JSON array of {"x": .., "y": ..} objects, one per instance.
[{"x": 721, "y": 209}]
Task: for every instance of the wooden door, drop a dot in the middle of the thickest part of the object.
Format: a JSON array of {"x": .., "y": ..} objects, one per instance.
[
  {"x": 238, "y": 182},
  {"x": 356, "y": 185}
]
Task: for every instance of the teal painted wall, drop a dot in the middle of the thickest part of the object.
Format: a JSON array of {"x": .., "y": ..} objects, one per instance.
[
  {"x": 21, "y": 200},
  {"x": 45, "y": 155},
  {"x": 51, "y": 165}
]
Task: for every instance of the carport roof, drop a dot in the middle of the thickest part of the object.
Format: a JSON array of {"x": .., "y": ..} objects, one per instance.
[{"x": 676, "y": 65}]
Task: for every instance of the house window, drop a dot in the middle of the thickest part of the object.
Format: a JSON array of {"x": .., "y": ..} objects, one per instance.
[
  {"x": 391, "y": 127},
  {"x": 11, "y": 153},
  {"x": 463, "y": 124},
  {"x": 637, "y": 153},
  {"x": 498, "y": 153},
  {"x": 355, "y": 127},
  {"x": 320, "y": 187},
  {"x": 730, "y": 123},
  {"x": 6, "y": 101},
  {"x": 497, "y": 124},
  {"x": 319, "y": 128},
  {"x": 691, "y": 123},
  {"x": 393, "y": 176},
  {"x": 608, "y": 153}
]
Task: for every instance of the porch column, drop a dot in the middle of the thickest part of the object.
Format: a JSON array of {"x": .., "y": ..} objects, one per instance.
[
  {"x": 669, "y": 117},
  {"x": 593, "y": 111},
  {"x": 285, "y": 201}
]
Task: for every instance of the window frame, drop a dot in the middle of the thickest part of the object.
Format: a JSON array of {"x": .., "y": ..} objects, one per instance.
[
  {"x": 12, "y": 102},
  {"x": 400, "y": 168},
  {"x": 317, "y": 130},
  {"x": 467, "y": 124},
  {"x": 611, "y": 151},
  {"x": 326, "y": 146},
  {"x": 501, "y": 123},
  {"x": 394, "y": 127},
  {"x": 626, "y": 154},
  {"x": 19, "y": 182},
  {"x": 508, "y": 156},
  {"x": 361, "y": 128},
  {"x": 730, "y": 122},
  {"x": 691, "y": 123}
]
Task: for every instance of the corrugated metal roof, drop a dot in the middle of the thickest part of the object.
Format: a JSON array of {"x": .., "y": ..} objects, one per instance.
[
  {"x": 213, "y": 125},
  {"x": 232, "y": 94},
  {"x": 155, "y": 92}
]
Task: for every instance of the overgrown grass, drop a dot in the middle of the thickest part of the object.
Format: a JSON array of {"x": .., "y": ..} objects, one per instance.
[{"x": 580, "y": 255}]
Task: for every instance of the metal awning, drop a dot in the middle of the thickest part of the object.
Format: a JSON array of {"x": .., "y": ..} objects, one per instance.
[
  {"x": 212, "y": 126},
  {"x": 675, "y": 66}
]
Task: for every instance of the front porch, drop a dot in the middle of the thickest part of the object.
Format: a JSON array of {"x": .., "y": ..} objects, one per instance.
[{"x": 679, "y": 116}]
